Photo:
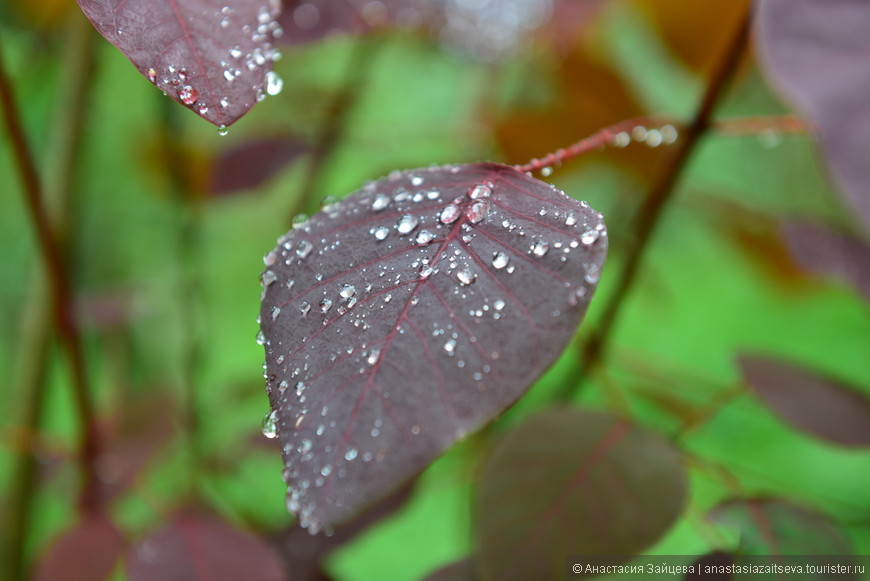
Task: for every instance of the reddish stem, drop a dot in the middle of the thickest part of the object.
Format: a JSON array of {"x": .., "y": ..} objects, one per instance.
[
  {"x": 597, "y": 140},
  {"x": 61, "y": 293}
]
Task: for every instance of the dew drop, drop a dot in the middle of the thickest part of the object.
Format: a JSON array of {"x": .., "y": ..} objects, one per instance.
[
  {"x": 425, "y": 237},
  {"x": 299, "y": 220},
  {"x": 589, "y": 236},
  {"x": 500, "y": 260},
  {"x": 407, "y": 223},
  {"x": 325, "y": 305},
  {"x": 449, "y": 214},
  {"x": 373, "y": 357},
  {"x": 498, "y": 305},
  {"x": 261, "y": 339},
  {"x": 270, "y": 424},
  {"x": 477, "y": 211},
  {"x": 466, "y": 277},
  {"x": 592, "y": 274},
  {"x": 350, "y": 454},
  {"x": 381, "y": 232},
  {"x": 450, "y": 346},
  {"x": 571, "y": 220},
  {"x": 267, "y": 278},
  {"x": 275, "y": 312},
  {"x": 188, "y": 95},
  {"x": 347, "y": 291},
  {"x": 274, "y": 83},
  {"x": 152, "y": 75},
  {"x": 223, "y": 130},
  {"x": 416, "y": 181},
  {"x": 480, "y": 191},
  {"x": 304, "y": 248},
  {"x": 539, "y": 247},
  {"x": 304, "y": 307},
  {"x": 425, "y": 272},
  {"x": 326, "y": 470},
  {"x": 380, "y": 202}
]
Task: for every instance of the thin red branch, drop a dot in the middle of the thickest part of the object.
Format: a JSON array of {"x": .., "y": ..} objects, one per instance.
[
  {"x": 61, "y": 294},
  {"x": 662, "y": 191}
]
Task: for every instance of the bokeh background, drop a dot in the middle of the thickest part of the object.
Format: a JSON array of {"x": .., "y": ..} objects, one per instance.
[{"x": 164, "y": 222}]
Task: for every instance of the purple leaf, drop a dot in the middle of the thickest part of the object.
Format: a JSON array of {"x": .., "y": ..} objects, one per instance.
[
  {"x": 250, "y": 164},
  {"x": 305, "y": 21},
  {"x": 199, "y": 548},
  {"x": 825, "y": 251},
  {"x": 809, "y": 401},
  {"x": 770, "y": 526},
  {"x": 573, "y": 482},
  {"x": 214, "y": 57},
  {"x": 410, "y": 314},
  {"x": 87, "y": 552},
  {"x": 816, "y": 53}
]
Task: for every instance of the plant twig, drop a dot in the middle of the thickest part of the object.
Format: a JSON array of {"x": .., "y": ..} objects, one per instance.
[
  {"x": 60, "y": 291},
  {"x": 334, "y": 126},
  {"x": 608, "y": 136},
  {"x": 650, "y": 212}
]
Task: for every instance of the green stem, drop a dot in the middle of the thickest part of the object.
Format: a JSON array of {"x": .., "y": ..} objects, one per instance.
[{"x": 650, "y": 213}]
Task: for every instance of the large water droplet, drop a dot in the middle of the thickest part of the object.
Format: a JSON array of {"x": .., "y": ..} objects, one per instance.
[
  {"x": 480, "y": 191},
  {"x": 381, "y": 232},
  {"x": 268, "y": 277},
  {"x": 304, "y": 248},
  {"x": 449, "y": 214},
  {"x": 380, "y": 202},
  {"x": 347, "y": 291},
  {"x": 274, "y": 83},
  {"x": 425, "y": 237},
  {"x": 270, "y": 424},
  {"x": 416, "y": 181},
  {"x": 465, "y": 276},
  {"x": 539, "y": 247},
  {"x": 188, "y": 95},
  {"x": 500, "y": 260},
  {"x": 477, "y": 211},
  {"x": 407, "y": 223},
  {"x": 325, "y": 305},
  {"x": 589, "y": 236},
  {"x": 373, "y": 357}
]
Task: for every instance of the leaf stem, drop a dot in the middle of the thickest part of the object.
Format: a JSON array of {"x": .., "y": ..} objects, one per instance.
[
  {"x": 650, "y": 212},
  {"x": 607, "y": 136},
  {"x": 333, "y": 129},
  {"x": 61, "y": 295}
]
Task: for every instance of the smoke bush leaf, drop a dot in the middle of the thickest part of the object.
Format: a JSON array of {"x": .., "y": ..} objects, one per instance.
[
  {"x": 411, "y": 313},
  {"x": 571, "y": 481},
  {"x": 815, "y": 52},
  {"x": 811, "y": 402},
  {"x": 214, "y": 57}
]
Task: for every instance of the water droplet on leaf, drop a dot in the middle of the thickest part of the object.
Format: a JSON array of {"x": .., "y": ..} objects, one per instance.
[
  {"x": 270, "y": 424},
  {"x": 407, "y": 223}
]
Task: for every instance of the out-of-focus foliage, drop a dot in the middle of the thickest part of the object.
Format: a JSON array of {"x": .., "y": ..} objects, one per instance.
[{"x": 165, "y": 276}]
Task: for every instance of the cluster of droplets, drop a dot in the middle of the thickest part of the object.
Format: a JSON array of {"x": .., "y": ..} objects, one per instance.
[{"x": 652, "y": 137}]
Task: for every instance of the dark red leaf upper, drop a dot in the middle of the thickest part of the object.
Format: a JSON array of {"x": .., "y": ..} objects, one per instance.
[
  {"x": 409, "y": 314},
  {"x": 816, "y": 52},
  {"x": 89, "y": 551},
  {"x": 212, "y": 56}
]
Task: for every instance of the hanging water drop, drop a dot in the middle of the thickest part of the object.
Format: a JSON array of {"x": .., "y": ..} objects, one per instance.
[
  {"x": 270, "y": 424},
  {"x": 223, "y": 130},
  {"x": 274, "y": 83}
]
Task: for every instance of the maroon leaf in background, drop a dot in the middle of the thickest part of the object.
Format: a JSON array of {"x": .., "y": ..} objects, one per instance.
[
  {"x": 816, "y": 52},
  {"x": 305, "y": 21},
  {"x": 87, "y": 552},
  {"x": 413, "y": 312},
  {"x": 770, "y": 526},
  {"x": 252, "y": 163},
  {"x": 573, "y": 482},
  {"x": 459, "y": 571},
  {"x": 200, "y": 548},
  {"x": 822, "y": 250},
  {"x": 811, "y": 402},
  {"x": 212, "y": 56}
]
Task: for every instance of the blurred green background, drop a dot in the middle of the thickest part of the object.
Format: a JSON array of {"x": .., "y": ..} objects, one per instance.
[{"x": 165, "y": 269}]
